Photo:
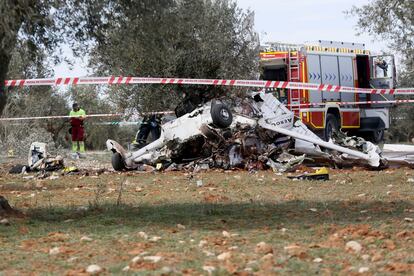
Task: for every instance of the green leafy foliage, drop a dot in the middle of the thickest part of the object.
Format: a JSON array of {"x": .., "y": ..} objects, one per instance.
[{"x": 393, "y": 21}]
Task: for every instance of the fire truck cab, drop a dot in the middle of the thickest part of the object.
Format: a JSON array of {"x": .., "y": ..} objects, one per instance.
[{"x": 332, "y": 63}]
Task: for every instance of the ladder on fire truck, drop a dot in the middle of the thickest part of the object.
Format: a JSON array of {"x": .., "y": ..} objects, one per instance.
[{"x": 293, "y": 64}]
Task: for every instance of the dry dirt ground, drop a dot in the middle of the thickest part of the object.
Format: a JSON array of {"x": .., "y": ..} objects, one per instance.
[{"x": 234, "y": 223}]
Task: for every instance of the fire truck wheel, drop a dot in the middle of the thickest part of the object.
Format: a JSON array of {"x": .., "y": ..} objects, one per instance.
[
  {"x": 331, "y": 126},
  {"x": 221, "y": 115},
  {"x": 377, "y": 136},
  {"x": 118, "y": 162}
]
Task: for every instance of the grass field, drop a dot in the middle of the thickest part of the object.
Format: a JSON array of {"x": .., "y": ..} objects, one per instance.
[{"x": 302, "y": 227}]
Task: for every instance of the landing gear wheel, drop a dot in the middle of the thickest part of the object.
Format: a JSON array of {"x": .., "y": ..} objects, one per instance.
[
  {"x": 332, "y": 125},
  {"x": 118, "y": 162},
  {"x": 221, "y": 115}
]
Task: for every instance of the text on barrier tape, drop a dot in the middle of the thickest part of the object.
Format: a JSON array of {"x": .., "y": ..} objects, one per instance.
[{"x": 213, "y": 82}]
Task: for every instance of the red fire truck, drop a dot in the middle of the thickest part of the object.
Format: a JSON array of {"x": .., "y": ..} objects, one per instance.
[{"x": 335, "y": 63}]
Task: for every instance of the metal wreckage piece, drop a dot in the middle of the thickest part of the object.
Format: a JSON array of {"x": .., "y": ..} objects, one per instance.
[{"x": 256, "y": 133}]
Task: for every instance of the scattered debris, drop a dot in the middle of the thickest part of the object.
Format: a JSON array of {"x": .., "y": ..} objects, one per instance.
[
  {"x": 253, "y": 133},
  {"x": 320, "y": 174},
  {"x": 39, "y": 160}
]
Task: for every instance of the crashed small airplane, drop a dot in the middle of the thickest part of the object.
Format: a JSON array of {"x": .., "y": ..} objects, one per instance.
[{"x": 258, "y": 127}]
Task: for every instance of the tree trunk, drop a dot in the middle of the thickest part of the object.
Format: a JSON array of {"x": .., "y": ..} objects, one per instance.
[
  {"x": 4, "y": 67},
  {"x": 5, "y": 208}
]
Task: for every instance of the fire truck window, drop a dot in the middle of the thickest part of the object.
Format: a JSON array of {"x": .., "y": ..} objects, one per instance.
[
  {"x": 363, "y": 70},
  {"x": 278, "y": 74}
]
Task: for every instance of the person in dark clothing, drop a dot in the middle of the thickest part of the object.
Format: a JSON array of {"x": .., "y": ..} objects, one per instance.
[
  {"x": 383, "y": 65},
  {"x": 150, "y": 125}
]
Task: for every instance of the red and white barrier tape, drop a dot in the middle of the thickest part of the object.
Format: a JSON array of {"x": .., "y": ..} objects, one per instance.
[
  {"x": 352, "y": 103},
  {"x": 59, "y": 117},
  {"x": 212, "y": 82}
]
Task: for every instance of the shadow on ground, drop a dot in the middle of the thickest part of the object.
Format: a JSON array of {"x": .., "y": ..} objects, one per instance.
[{"x": 233, "y": 216}]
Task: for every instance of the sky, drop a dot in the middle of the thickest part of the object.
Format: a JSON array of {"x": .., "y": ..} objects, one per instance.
[{"x": 290, "y": 21}]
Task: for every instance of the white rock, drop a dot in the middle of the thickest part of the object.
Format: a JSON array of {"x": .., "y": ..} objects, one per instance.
[
  {"x": 408, "y": 219},
  {"x": 317, "y": 260},
  {"x": 155, "y": 239},
  {"x": 166, "y": 270},
  {"x": 54, "y": 251},
  {"x": 199, "y": 183},
  {"x": 143, "y": 235},
  {"x": 202, "y": 243},
  {"x": 94, "y": 269},
  {"x": 252, "y": 263},
  {"x": 362, "y": 195},
  {"x": 232, "y": 248},
  {"x": 154, "y": 259},
  {"x": 86, "y": 239},
  {"x": 4, "y": 222},
  {"x": 82, "y": 208},
  {"x": 136, "y": 259},
  {"x": 313, "y": 210},
  {"x": 283, "y": 230},
  {"x": 181, "y": 242},
  {"x": 365, "y": 257},
  {"x": 354, "y": 246},
  {"x": 208, "y": 253},
  {"x": 224, "y": 256},
  {"x": 410, "y": 180},
  {"x": 226, "y": 234},
  {"x": 363, "y": 269},
  {"x": 76, "y": 189},
  {"x": 72, "y": 259},
  {"x": 127, "y": 268},
  {"x": 180, "y": 226},
  {"x": 209, "y": 269},
  {"x": 267, "y": 257}
]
